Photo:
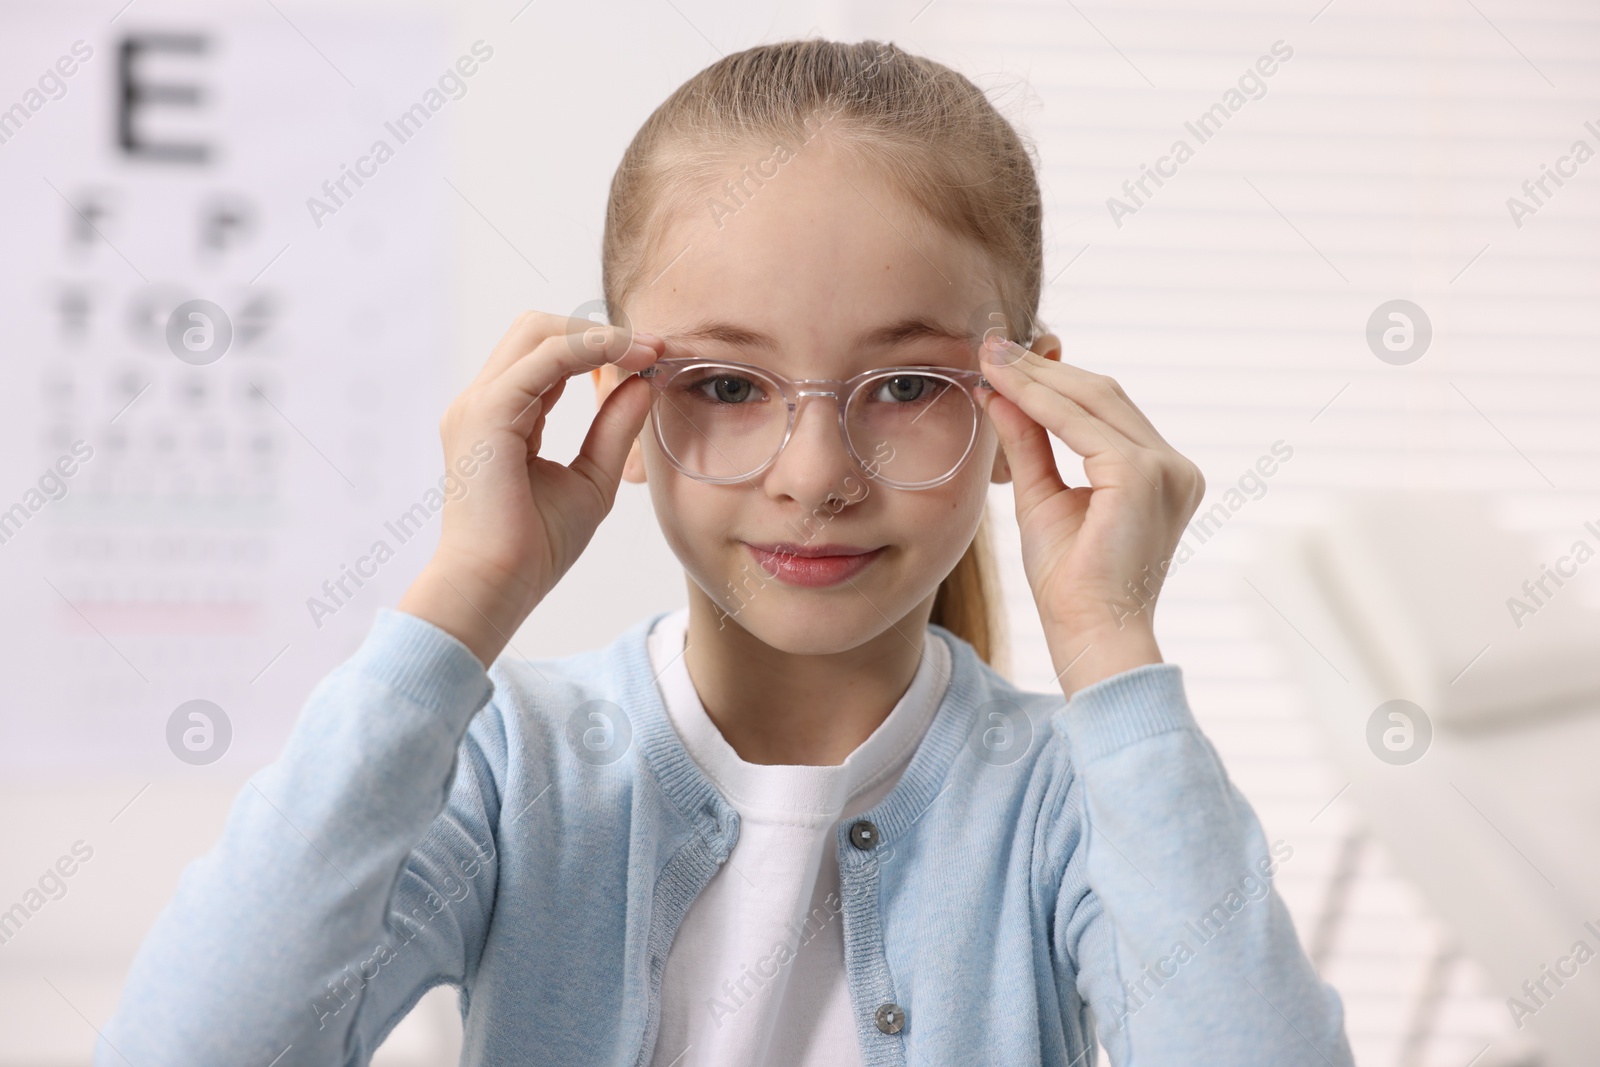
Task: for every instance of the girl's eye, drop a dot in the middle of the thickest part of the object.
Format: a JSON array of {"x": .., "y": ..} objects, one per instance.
[
  {"x": 725, "y": 389},
  {"x": 908, "y": 389}
]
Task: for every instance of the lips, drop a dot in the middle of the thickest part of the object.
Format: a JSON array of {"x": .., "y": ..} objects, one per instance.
[
  {"x": 813, "y": 566},
  {"x": 812, "y": 551}
]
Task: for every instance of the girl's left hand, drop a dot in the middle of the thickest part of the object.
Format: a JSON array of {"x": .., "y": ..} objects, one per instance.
[{"x": 1094, "y": 555}]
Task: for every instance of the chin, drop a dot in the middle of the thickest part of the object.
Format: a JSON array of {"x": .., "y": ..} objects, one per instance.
[
  {"x": 812, "y": 622},
  {"x": 802, "y": 622}
]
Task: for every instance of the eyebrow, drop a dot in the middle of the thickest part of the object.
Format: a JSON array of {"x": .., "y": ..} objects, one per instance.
[{"x": 912, "y": 328}]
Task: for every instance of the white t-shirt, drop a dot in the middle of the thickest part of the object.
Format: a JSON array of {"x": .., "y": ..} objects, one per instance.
[{"x": 755, "y": 974}]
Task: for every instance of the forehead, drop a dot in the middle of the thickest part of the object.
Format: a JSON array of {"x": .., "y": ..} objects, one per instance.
[{"x": 818, "y": 255}]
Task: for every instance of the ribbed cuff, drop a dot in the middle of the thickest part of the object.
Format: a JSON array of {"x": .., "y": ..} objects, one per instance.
[
  {"x": 1129, "y": 706},
  {"x": 421, "y": 661}
]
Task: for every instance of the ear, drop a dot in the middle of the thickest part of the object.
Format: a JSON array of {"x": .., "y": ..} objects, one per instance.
[
  {"x": 1049, "y": 346},
  {"x": 605, "y": 379}
]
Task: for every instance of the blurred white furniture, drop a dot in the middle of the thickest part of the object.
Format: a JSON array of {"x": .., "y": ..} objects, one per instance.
[{"x": 1403, "y": 595}]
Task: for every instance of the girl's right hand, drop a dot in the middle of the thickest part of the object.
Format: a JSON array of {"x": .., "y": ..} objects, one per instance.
[{"x": 524, "y": 519}]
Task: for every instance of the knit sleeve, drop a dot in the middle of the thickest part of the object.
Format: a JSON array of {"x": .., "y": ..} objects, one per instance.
[
  {"x": 352, "y": 874},
  {"x": 1167, "y": 923}
]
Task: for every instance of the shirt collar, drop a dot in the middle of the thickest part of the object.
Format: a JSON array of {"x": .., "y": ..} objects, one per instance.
[{"x": 784, "y": 790}]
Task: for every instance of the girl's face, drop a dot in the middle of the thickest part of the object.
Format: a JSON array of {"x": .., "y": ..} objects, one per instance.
[{"x": 818, "y": 259}]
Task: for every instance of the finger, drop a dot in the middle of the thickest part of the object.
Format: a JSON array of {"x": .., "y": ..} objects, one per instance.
[
  {"x": 605, "y": 448},
  {"x": 1098, "y": 394},
  {"x": 555, "y": 359},
  {"x": 535, "y": 412},
  {"x": 1034, "y": 474},
  {"x": 525, "y": 331},
  {"x": 588, "y": 340},
  {"x": 1084, "y": 433}
]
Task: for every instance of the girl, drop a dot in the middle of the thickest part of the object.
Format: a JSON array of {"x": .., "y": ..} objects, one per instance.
[{"x": 803, "y": 820}]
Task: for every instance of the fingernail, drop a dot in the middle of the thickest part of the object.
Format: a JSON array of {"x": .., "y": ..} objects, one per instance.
[
  {"x": 647, "y": 338},
  {"x": 997, "y": 349}
]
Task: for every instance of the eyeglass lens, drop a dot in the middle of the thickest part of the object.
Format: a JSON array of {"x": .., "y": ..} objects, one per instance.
[{"x": 727, "y": 422}]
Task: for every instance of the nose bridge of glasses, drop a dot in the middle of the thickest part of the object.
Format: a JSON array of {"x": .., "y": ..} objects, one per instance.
[
  {"x": 816, "y": 386},
  {"x": 834, "y": 436},
  {"x": 803, "y": 390}
]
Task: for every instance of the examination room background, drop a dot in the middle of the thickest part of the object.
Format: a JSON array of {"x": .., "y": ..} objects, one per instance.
[{"x": 1363, "y": 300}]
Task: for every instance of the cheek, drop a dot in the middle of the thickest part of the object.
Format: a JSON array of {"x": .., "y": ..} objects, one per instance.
[
  {"x": 972, "y": 485},
  {"x": 938, "y": 524},
  {"x": 694, "y": 518}
]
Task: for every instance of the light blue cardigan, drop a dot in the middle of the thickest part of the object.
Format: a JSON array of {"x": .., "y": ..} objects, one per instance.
[{"x": 409, "y": 835}]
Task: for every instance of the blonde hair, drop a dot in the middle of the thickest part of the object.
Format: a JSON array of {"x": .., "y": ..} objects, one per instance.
[{"x": 927, "y": 129}]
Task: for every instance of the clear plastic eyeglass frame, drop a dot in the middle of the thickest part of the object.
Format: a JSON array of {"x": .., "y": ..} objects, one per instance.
[{"x": 661, "y": 373}]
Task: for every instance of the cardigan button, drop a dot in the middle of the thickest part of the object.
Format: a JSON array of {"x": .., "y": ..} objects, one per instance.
[
  {"x": 891, "y": 1018},
  {"x": 864, "y": 835}
]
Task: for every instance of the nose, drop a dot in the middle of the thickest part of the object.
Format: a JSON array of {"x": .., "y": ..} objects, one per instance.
[{"x": 815, "y": 464}]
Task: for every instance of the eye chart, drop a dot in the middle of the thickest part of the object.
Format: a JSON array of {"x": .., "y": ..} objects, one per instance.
[{"x": 224, "y": 281}]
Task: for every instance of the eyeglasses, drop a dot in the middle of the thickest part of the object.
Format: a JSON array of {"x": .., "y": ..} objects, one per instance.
[{"x": 907, "y": 427}]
